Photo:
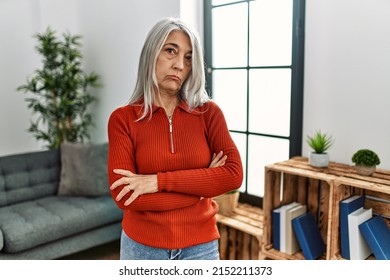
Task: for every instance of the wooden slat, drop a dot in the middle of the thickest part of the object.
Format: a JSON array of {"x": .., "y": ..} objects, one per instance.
[
  {"x": 246, "y": 246},
  {"x": 378, "y": 207},
  {"x": 255, "y": 248},
  {"x": 289, "y": 188},
  {"x": 232, "y": 244},
  {"x": 323, "y": 202},
  {"x": 236, "y": 224},
  {"x": 241, "y": 232},
  {"x": 223, "y": 242},
  {"x": 367, "y": 184},
  {"x": 239, "y": 245}
]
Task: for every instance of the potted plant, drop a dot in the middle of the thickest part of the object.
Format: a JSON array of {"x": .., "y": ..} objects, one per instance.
[
  {"x": 227, "y": 202},
  {"x": 365, "y": 161},
  {"x": 320, "y": 143},
  {"x": 60, "y": 91}
]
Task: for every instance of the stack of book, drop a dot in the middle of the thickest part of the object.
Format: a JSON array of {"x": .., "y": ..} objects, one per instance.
[
  {"x": 294, "y": 229},
  {"x": 361, "y": 233}
]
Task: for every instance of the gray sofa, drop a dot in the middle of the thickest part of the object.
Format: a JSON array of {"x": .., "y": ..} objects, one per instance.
[{"x": 38, "y": 220}]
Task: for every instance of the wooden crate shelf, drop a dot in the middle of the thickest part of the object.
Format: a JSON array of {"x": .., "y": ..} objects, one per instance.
[
  {"x": 376, "y": 190},
  {"x": 241, "y": 233},
  {"x": 321, "y": 189}
]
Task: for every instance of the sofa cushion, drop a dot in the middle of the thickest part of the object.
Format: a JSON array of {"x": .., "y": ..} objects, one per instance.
[
  {"x": 28, "y": 176},
  {"x": 30, "y": 224},
  {"x": 84, "y": 170}
]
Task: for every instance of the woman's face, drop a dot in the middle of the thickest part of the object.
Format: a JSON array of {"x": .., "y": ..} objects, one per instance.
[{"x": 174, "y": 63}]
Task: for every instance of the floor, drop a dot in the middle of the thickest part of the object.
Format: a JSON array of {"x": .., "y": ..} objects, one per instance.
[{"x": 109, "y": 251}]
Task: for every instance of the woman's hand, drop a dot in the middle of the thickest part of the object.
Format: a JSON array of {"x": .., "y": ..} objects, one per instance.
[
  {"x": 218, "y": 160},
  {"x": 139, "y": 184}
]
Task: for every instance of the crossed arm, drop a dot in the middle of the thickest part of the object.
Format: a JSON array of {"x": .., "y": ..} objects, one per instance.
[{"x": 144, "y": 184}]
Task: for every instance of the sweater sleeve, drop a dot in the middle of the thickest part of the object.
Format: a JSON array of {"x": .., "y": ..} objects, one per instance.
[
  {"x": 121, "y": 156},
  {"x": 209, "y": 182}
]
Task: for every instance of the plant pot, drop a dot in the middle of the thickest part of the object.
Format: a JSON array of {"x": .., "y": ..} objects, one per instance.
[
  {"x": 227, "y": 202},
  {"x": 319, "y": 160},
  {"x": 364, "y": 170}
]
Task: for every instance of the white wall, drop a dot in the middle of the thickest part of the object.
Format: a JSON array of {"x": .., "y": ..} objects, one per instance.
[
  {"x": 347, "y": 76},
  {"x": 113, "y": 33}
]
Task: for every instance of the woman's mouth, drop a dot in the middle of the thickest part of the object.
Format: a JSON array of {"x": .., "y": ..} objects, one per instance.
[{"x": 174, "y": 77}]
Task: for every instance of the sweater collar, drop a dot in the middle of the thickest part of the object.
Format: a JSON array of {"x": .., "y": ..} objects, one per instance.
[{"x": 182, "y": 106}]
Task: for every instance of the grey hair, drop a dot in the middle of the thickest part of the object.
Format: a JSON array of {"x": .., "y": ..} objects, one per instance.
[{"x": 193, "y": 91}]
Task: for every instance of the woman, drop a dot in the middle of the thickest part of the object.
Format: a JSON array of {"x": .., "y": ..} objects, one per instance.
[{"x": 170, "y": 152}]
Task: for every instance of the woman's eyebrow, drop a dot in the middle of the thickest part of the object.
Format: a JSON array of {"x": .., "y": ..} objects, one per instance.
[{"x": 172, "y": 44}]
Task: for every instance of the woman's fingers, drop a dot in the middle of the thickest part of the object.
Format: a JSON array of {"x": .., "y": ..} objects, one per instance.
[
  {"x": 131, "y": 198},
  {"x": 123, "y": 192},
  {"x": 123, "y": 172},
  {"x": 218, "y": 160},
  {"x": 122, "y": 181},
  {"x": 137, "y": 184}
]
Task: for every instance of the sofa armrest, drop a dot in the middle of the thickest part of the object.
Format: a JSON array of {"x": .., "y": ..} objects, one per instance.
[{"x": 1, "y": 240}]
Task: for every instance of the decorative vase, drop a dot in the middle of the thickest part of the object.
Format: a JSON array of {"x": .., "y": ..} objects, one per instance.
[
  {"x": 319, "y": 160},
  {"x": 364, "y": 170},
  {"x": 227, "y": 202}
]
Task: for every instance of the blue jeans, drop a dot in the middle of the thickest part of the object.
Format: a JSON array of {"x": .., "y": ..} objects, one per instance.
[{"x": 132, "y": 250}]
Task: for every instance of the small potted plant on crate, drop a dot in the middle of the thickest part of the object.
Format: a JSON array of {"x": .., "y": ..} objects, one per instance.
[
  {"x": 227, "y": 202},
  {"x": 320, "y": 143},
  {"x": 365, "y": 161}
]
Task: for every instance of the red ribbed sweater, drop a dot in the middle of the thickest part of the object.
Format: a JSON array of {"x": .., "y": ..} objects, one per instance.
[{"x": 182, "y": 212}]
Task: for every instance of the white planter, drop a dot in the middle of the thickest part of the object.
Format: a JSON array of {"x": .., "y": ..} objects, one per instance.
[{"x": 319, "y": 160}]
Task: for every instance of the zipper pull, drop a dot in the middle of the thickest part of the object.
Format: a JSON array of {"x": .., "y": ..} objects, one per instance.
[{"x": 171, "y": 134}]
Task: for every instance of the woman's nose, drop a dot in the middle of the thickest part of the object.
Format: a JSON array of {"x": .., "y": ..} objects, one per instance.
[{"x": 179, "y": 63}]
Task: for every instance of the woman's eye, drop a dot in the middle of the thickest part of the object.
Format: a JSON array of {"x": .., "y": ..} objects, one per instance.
[
  {"x": 170, "y": 51},
  {"x": 188, "y": 59}
]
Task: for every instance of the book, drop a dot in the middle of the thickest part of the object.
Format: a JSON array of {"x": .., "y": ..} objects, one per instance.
[
  {"x": 292, "y": 245},
  {"x": 276, "y": 228},
  {"x": 347, "y": 206},
  {"x": 276, "y": 224},
  {"x": 282, "y": 225},
  {"x": 377, "y": 234},
  {"x": 309, "y": 236},
  {"x": 358, "y": 246}
]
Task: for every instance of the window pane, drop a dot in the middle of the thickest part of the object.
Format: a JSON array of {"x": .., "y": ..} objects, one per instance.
[
  {"x": 230, "y": 25},
  {"x": 263, "y": 151},
  {"x": 230, "y": 93},
  {"x": 270, "y": 32},
  {"x": 240, "y": 140},
  {"x": 221, "y": 2},
  {"x": 269, "y": 101}
]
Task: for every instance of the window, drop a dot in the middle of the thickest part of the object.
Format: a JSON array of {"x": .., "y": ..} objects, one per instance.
[{"x": 254, "y": 57}]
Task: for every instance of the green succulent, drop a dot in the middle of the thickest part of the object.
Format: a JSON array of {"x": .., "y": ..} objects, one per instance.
[
  {"x": 320, "y": 142},
  {"x": 366, "y": 157}
]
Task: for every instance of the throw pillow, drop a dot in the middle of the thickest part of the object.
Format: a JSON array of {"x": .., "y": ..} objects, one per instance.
[{"x": 83, "y": 170}]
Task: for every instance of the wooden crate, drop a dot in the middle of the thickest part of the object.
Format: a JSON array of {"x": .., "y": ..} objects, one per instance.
[
  {"x": 241, "y": 233},
  {"x": 321, "y": 189},
  {"x": 296, "y": 180},
  {"x": 375, "y": 188}
]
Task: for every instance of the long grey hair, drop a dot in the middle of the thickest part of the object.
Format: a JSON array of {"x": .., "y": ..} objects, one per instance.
[{"x": 193, "y": 91}]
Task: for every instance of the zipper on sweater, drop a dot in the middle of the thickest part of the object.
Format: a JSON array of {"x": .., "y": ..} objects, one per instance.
[{"x": 171, "y": 134}]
